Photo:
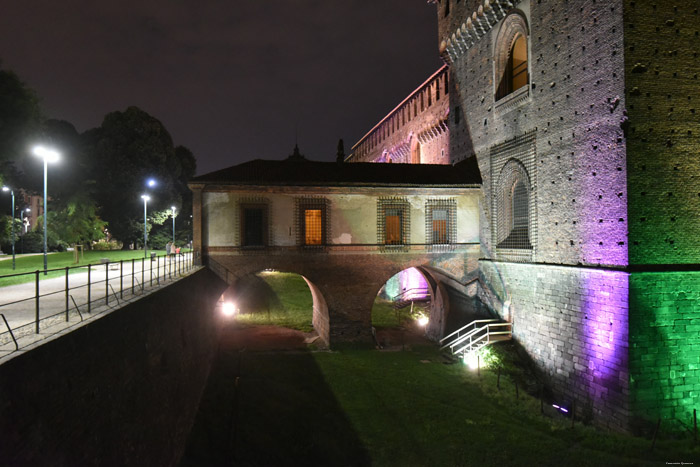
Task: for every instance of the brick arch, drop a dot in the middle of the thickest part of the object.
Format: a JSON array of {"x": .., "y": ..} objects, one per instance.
[
  {"x": 343, "y": 287},
  {"x": 320, "y": 317}
]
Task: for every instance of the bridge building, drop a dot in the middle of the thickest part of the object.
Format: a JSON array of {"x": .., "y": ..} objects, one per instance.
[{"x": 346, "y": 228}]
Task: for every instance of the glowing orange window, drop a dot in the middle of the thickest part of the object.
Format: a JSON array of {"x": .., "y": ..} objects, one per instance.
[
  {"x": 313, "y": 227},
  {"x": 393, "y": 227}
]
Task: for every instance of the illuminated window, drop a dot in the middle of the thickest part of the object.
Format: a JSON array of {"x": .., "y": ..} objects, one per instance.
[
  {"x": 313, "y": 227},
  {"x": 393, "y": 222},
  {"x": 312, "y": 221},
  {"x": 253, "y": 225},
  {"x": 511, "y": 56}
]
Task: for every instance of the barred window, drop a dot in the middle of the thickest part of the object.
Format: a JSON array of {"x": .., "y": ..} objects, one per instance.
[
  {"x": 313, "y": 227},
  {"x": 440, "y": 216},
  {"x": 253, "y": 225},
  {"x": 312, "y": 221},
  {"x": 393, "y": 222}
]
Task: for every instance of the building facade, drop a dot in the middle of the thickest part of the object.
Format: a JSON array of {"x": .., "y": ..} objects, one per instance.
[{"x": 582, "y": 117}]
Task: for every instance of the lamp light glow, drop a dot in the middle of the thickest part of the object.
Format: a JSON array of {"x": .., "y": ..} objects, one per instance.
[
  {"x": 151, "y": 182},
  {"x": 49, "y": 155},
  {"x": 228, "y": 309},
  {"x": 423, "y": 321}
]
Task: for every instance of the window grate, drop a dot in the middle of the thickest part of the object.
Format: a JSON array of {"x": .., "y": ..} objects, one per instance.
[
  {"x": 312, "y": 222},
  {"x": 440, "y": 223},
  {"x": 393, "y": 223}
]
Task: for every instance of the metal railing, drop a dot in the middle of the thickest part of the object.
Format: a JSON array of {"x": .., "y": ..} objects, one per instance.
[
  {"x": 475, "y": 335},
  {"x": 406, "y": 297},
  {"x": 30, "y": 307}
]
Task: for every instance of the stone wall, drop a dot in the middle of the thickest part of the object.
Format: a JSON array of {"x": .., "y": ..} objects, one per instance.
[
  {"x": 572, "y": 322},
  {"x": 662, "y": 64},
  {"x": 120, "y": 390},
  {"x": 574, "y": 106},
  {"x": 664, "y": 329}
]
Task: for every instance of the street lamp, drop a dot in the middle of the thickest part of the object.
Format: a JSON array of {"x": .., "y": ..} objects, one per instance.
[
  {"x": 145, "y": 231},
  {"x": 12, "y": 194},
  {"x": 151, "y": 182},
  {"x": 49, "y": 155},
  {"x": 173, "y": 208}
]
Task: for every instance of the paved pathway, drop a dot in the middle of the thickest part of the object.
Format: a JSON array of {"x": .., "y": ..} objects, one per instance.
[{"x": 108, "y": 287}]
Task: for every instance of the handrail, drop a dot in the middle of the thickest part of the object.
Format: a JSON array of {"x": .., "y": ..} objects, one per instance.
[
  {"x": 32, "y": 307},
  {"x": 10, "y": 331},
  {"x": 464, "y": 327},
  {"x": 477, "y": 336}
]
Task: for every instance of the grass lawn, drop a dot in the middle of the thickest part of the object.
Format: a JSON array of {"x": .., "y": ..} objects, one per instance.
[
  {"x": 280, "y": 298},
  {"x": 30, "y": 264},
  {"x": 366, "y": 407}
]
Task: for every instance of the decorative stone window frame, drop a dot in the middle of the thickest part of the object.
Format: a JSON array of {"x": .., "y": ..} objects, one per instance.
[
  {"x": 513, "y": 160},
  {"x": 514, "y": 25},
  {"x": 383, "y": 205},
  {"x": 450, "y": 205},
  {"x": 253, "y": 203},
  {"x": 301, "y": 204}
]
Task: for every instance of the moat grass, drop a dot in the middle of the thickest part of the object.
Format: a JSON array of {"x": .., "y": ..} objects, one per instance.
[
  {"x": 402, "y": 408},
  {"x": 31, "y": 263},
  {"x": 286, "y": 301}
]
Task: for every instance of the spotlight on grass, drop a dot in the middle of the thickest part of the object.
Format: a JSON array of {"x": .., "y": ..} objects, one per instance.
[
  {"x": 471, "y": 360},
  {"x": 422, "y": 321},
  {"x": 228, "y": 309}
]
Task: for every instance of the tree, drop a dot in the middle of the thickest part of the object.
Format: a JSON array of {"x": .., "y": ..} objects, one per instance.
[
  {"x": 128, "y": 148},
  {"x": 20, "y": 118},
  {"x": 77, "y": 222}
]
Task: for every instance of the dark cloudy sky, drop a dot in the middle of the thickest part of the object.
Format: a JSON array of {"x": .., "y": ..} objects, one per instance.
[{"x": 230, "y": 79}]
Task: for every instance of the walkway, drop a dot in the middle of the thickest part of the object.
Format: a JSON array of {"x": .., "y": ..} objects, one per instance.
[{"x": 40, "y": 309}]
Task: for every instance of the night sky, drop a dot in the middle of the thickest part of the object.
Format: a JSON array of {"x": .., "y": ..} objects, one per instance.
[{"x": 230, "y": 80}]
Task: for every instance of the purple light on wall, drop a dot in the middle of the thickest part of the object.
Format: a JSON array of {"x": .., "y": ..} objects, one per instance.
[
  {"x": 605, "y": 305},
  {"x": 413, "y": 284}
]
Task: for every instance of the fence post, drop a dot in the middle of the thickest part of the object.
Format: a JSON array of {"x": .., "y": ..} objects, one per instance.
[
  {"x": 67, "y": 319},
  {"x": 158, "y": 270},
  {"x": 89, "y": 285},
  {"x": 143, "y": 273},
  {"x": 36, "y": 299},
  {"x": 107, "y": 283},
  {"x": 150, "y": 272},
  {"x": 132, "y": 276},
  {"x": 121, "y": 278}
]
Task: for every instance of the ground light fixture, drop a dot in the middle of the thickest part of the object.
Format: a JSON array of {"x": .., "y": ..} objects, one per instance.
[
  {"x": 12, "y": 194},
  {"x": 422, "y": 321},
  {"x": 48, "y": 155},
  {"x": 145, "y": 199},
  {"x": 228, "y": 309}
]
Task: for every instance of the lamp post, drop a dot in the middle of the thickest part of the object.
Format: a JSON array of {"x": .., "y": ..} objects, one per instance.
[
  {"x": 173, "y": 208},
  {"x": 145, "y": 231},
  {"x": 12, "y": 194},
  {"x": 49, "y": 155}
]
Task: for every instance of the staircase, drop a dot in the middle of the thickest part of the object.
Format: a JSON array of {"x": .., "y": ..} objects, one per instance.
[
  {"x": 407, "y": 297},
  {"x": 467, "y": 340}
]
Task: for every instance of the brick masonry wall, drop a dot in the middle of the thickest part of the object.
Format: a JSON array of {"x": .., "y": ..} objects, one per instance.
[
  {"x": 572, "y": 322},
  {"x": 120, "y": 390},
  {"x": 575, "y": 107},
  {"x": 662, "y": 64},
  {"x": 664, "y": 348},
  {"x": 418, "y": 122}
]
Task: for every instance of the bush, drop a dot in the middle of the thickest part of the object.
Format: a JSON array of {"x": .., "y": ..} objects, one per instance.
[
  {"x": 106, "y": 246},
  {"x": 32, "y": 242}
]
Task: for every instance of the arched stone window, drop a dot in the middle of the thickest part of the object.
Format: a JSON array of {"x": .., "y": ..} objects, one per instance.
[
  {"x": 514, "y": 207},
  {"x": 511, "y": 60}
]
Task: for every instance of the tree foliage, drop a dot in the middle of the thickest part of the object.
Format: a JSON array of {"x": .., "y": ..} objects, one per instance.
[
  {"x": 130, "y": 148},
  {"x": 20, "y": 118}
]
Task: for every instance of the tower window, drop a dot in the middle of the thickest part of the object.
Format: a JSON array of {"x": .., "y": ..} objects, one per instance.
[{"x": 511, "y": 59}]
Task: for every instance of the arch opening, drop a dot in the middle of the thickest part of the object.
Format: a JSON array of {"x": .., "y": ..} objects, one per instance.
[
  {"x": 276, "y": 298},
  {"x": 402, "y": 308}
]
